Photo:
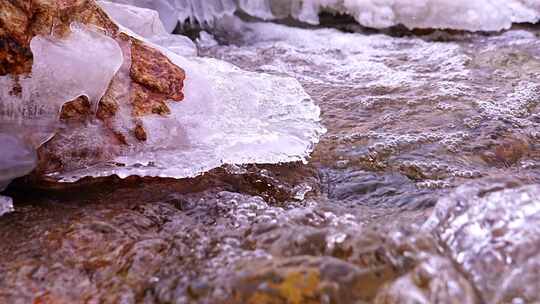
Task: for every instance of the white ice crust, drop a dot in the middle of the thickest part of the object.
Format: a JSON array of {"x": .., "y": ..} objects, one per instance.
[{"x": 475, "y": 15}]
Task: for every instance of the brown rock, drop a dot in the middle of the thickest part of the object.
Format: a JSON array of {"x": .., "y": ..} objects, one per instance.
[
  {"x": 140, "y": 133},
  {"x": 146, "y": 101},
  {"x": 154, "y": 71},
  {"x": 76, "y": 110}
]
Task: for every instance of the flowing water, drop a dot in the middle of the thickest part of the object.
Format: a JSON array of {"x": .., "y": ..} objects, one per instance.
[{"x": 422, "y": 190}]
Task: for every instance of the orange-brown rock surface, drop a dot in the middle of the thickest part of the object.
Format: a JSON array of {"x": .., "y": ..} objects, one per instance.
[{"x": 147, "y": 80}]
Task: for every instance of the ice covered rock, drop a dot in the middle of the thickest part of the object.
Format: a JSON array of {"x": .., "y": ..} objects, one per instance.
[
  {"x": 483, "y": 15},
  {"x": 61, "y": 71},
  {"x": 114, "y": 94},
  {"x": 87, "y": 72}
]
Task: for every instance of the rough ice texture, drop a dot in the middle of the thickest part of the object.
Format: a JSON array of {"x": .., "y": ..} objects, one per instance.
[
  {"x": 480, "y": 15},
  {"x": 228, "y": 116},
  {"x": 147, "y": 24}
]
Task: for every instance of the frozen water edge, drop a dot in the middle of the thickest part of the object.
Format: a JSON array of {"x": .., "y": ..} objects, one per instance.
[{"x": 481, "y": 15}]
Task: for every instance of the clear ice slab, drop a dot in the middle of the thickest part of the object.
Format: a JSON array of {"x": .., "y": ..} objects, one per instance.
[{"x": 228, "y": 116}]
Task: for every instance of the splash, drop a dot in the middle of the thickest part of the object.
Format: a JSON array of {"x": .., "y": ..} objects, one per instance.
[{"x": 493, "y": 224}]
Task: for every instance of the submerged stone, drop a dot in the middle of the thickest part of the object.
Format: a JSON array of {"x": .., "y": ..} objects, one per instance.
[{"x": 491, "y": 229}]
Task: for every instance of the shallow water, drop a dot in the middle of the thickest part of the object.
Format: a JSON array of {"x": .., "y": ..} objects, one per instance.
[{"x": 375, "y": 216}]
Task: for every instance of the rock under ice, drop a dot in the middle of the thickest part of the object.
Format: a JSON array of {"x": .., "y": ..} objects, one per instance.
[
  {"x": 479, "y": 15},
  {"x": 228, "y": 116}
]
